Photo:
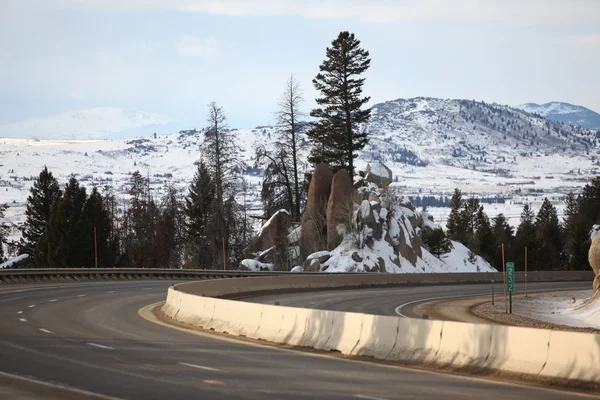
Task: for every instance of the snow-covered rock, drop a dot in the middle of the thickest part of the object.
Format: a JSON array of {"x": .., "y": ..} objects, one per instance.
[{"x": 253, "y": 265}]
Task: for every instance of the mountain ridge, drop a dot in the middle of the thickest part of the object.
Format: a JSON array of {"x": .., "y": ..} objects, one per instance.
[{"x": 565, "y": 112}]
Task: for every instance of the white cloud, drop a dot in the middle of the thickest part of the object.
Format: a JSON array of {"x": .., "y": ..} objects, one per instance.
[
  {"x": 193, "y": 46},
  {"x": 521, "y": 11}
]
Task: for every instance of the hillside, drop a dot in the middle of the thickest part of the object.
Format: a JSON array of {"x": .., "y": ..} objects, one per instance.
[
  {"x": 565, "y": 112},
  {"x": 431, "y": 145},
  {"x": 93, "y": 123}
]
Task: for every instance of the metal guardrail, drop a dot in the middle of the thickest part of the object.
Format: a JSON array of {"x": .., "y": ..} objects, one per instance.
[{"x": 76, "y": 274}]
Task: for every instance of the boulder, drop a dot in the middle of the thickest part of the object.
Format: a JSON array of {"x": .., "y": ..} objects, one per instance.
[
  {"x": 314, "y": 225},
  {"x": 594, "y": 253},
  {"x": 356, "y": 258},
  {"x": 373, "y": 197},
  {"x": 339, "y": 207},
  {"x": 379, "y": 174},
  {"x": 275, "y": 228}
]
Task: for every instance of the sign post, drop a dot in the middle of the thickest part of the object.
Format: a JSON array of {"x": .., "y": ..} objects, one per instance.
[
  {"x": 504, "y": 279},
  {"x": 510, "y": 280}
]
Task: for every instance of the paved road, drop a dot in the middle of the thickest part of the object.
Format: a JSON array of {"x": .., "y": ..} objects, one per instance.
[
  {"x": 91, "y": 337},
  {"x": 398, "y": 300}
]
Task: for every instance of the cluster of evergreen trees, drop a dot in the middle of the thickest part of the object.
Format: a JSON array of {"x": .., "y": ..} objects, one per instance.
[{"x": 551, "y": 244}]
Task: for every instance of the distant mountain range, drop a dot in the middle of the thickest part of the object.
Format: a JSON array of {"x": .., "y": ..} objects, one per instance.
[
  {"x": 93, "y": 123},
  {"x": 565, "y": 112}
]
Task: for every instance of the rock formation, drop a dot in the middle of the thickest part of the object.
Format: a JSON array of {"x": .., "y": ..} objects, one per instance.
[
  {"x": 379, "y": 174},
  {"x": 313, "y": 235},
  {"x": 594, "y": 257},
  {"x": 339, "y": 207}
]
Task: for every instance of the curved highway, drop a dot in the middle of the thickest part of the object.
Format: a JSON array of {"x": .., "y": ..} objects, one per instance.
[
  {"x": 400, "y": 301},
  {"x": 92, "y": 337}
]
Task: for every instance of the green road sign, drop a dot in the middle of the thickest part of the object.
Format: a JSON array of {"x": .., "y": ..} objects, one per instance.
[{"x": 510, "y": 277}]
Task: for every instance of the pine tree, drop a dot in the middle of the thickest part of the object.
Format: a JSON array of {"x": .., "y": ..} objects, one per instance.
[
  {"x": 437, "y": 242},
  {"x": 96, "y": 215},
  {"x": 199, "y": 211},
  {"x": 504, "y": 234},
  {"x": 335, "y": 134},
  {"x": 454, "y": 225},
  {"x": 289, "y": 141},
  {"x": 43, "y": 194},
  {"x": 65, "y": 235},
  {"x": 485, "y": 240},
  {"x": 526, "y": 237},
  {"x": 549, "y": 237},
  {"x": 169, "y": 229}
]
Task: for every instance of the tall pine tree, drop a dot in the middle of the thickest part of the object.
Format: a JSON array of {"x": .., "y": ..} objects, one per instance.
[
  {"x": 43, "y": 194},
  {"x": 549, "y": 237},
  {"x": 526, "y": 237},
  {"x": 504, "y": 234},
  {"x": 335, "y": 134},
  {"x": 200, "y": 206},
  {"x": 66, "y": 234},
  {"x": 455, "y": 226}
]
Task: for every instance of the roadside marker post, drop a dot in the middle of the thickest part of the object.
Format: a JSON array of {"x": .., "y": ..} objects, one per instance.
[
  {"x": 504, "y": 278},
  {"x": 510, "y": 280},
  {"x": 492, "y": 292},
  {"x": 525, "y": 271}
]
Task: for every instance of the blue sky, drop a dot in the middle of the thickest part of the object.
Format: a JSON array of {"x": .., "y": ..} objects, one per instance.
[{"x": 174, "y": 57}]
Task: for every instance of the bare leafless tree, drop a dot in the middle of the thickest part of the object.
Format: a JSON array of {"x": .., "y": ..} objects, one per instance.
[{"x": 289, "y": 140}]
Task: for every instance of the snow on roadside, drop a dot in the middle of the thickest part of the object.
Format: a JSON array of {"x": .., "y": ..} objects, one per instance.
[{"x": 560, "y": 308}]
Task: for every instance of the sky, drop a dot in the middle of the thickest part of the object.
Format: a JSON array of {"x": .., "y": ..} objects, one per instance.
[{"x": 174, "y": 57}]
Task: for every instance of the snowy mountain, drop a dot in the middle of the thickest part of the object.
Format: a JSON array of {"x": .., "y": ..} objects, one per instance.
[
  {"x": 564, "y": 112},
  {"x": 93, "y": 123},
  {"x": 431, "y": 145},
  {"x": 467, "y": 134}
]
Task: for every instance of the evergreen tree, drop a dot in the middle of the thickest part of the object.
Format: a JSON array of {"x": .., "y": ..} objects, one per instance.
[
  {"x": 469, "y": 217},
  {"x": 526, "y": 237},
  {"x": 43, "y": 194},
  {"x": 504, "y": 234},
  {"x": 576, "y": 234},
  {"x": 485, "y": 240},
  {"x": 455, "y": 226},
  {"x": 169, "y": 229},
  {"x": 335, "y": 134},
  {"x": 199, "y": 212},
  {"x": 65, "y": 236},
  {"x": 96, "y": 215},
  {"x": 549, "y": 237},
  {"x": 436, "y": 241}
]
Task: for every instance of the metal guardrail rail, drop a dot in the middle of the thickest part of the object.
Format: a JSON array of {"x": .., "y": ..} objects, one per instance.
[
  {"x": 77, "y": 274},
  {"x": 80, "y": 274}
]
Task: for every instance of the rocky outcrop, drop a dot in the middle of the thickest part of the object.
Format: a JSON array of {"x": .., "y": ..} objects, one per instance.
[
  {"x": 594, "y": 258},
  {"x": 339, "y": 207},
  {"x": 313, "y": 235},
  {"x": 273, "y": 230},
  {"x": 379, "y": 174}
]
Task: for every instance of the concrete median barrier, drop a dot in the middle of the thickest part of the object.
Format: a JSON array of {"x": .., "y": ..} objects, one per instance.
[{"x": 538, "y": 352}]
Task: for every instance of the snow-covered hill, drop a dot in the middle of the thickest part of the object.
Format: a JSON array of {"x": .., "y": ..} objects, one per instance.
[
  {"x": 93, "y": 123},
  {"x": 565, "y": 112},
  {"x": 431, "y": 145}
]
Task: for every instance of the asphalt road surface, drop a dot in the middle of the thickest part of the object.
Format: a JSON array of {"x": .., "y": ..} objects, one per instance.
[
  {"x": 401, "y": 301},
  {"x": 91, "y": 337}
]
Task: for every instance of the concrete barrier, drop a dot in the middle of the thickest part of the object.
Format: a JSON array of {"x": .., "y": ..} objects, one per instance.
[{"x": 537, "y": 352}]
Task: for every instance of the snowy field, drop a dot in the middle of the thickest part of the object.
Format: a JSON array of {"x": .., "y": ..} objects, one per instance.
[{"x": 573, "y": 308}]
